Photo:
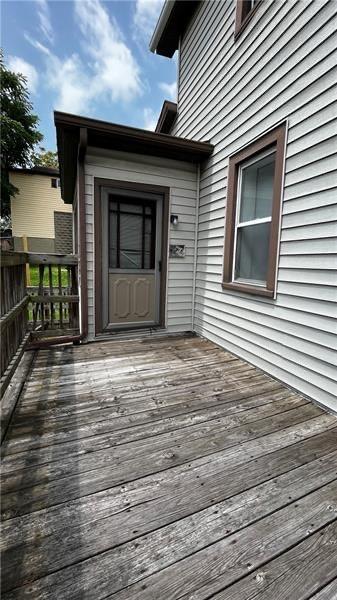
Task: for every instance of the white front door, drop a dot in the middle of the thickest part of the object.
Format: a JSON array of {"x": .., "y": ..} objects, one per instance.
[{"x": 131, "y": 223}]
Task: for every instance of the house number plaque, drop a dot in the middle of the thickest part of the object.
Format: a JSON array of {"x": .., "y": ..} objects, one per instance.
[{"x": 177, "y": 251}]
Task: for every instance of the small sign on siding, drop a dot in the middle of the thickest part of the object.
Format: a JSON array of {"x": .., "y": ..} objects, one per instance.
[{"x": 177, "y": 251}]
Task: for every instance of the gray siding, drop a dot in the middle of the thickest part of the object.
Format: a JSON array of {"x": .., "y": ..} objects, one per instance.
[
  {"x": 181, "y": 179},
  {"x": 282, "y": 67}
]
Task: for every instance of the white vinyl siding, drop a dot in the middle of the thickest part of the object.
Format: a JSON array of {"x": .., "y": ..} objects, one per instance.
[
  {"x": 283, "y": 66},
  {"x": 180, "y": 177}
]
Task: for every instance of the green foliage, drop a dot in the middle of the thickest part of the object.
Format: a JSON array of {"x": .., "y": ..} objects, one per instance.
[
  {"x": 45, "y": 158},
  {"x": 35, "y": 277},
  {"x": 19, "y": 132}
]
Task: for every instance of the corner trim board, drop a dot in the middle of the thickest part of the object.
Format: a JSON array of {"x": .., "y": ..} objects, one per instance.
[{"x": 82, "y": 230}]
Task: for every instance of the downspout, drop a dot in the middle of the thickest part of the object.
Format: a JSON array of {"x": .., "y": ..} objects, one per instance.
[
  {"x": 196, "y": 231},
  {"x": 82, "y": 230}
]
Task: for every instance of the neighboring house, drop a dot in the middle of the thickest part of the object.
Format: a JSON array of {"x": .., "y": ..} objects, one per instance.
[
  {"x": 39, "y": 213},
  {"x": 226, "y": 227}
]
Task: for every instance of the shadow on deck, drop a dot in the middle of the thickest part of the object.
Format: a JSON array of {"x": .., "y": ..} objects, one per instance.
[{"x": 165, "y": 469}]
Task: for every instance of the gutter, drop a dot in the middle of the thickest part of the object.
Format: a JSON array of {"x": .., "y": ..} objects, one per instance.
[{"x": 161, "y": 24}]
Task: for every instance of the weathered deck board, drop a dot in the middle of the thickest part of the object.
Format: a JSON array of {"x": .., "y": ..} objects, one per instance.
[
  {"x": 166, "y": 469},
  {"x": 212, "y": 522}
]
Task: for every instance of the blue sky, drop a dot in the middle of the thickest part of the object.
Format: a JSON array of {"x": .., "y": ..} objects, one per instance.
[{"x": 88, "y": 57}]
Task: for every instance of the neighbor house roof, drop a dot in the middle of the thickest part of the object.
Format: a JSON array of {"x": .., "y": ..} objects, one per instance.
[
  {"x": 101, "y": 134},
  {"x": 172, "y": 23},
  {"x": 167, "y": 117},
  {"x": 48, "y": 171}
]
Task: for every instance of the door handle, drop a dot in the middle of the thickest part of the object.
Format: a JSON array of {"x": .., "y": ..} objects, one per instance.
[{"x": 159, "y": 266}]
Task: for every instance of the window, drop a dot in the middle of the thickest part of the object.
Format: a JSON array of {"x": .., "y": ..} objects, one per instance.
[
  {"x": 55, "y": 183},
  {"x": 132, "y": 233},
  {"x": 244, "y": 11},
  {"x": 252, "y": 215}
]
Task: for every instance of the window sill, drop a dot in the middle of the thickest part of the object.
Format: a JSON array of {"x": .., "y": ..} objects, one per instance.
[
  {"x": 245, "y": 22},
  {"x": 248, "y": 289}
]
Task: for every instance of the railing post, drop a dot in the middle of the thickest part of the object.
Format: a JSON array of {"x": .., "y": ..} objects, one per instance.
[{"x": 25, "y": 249}]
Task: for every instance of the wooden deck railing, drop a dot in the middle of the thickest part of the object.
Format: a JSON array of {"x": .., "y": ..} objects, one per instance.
[{"x": 48, "y": 310}]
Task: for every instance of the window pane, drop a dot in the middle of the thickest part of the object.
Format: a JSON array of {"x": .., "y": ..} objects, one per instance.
[
  {"x": 257, "y": 182},
  {"x": 133, "y": 208},
  {"x": 112, "y": 240},
  {"x": 252, "y": 252},
  {"x": 131, "y": 227},
  {"x": 131, "y": 235}
]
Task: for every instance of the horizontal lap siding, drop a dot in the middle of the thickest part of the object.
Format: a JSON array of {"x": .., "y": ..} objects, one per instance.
[
  {"x": 181, "y": 179},
  {"x": 283, "y": 66}
]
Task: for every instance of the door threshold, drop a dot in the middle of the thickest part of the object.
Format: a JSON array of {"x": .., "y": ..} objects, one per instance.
[{"x": 138, "y": 332}]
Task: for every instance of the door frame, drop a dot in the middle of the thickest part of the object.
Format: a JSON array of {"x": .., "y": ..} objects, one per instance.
[{"x": 100, "y": 183}]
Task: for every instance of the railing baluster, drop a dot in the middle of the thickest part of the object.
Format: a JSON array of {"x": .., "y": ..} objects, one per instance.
[
  {"x": 41, "y": 289},
  {"x": 51, "y": 292},
  {"x": 60, "y": 292},
  {"x": 68, "y": 292}
]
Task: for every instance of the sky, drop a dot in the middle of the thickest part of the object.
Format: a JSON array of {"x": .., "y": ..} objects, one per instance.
[{"x": 88, "y": 57}]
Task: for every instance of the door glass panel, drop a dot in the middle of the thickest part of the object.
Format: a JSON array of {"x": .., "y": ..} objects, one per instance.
[
  {"x": 257, "y": 182},
  {"x": 130, "y": 241},
  {"x": 131, "y": 208},
  {"x": 113, "y": 239},
  {"x": 132, "y": 231},
  {"x": 252, "y": 252}
]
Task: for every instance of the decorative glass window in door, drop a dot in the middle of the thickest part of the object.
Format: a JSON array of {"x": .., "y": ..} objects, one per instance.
[{"x": 132, "y": 233}]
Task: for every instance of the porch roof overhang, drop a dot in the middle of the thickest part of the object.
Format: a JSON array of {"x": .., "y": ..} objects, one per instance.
[
  {"x": 172, "y": 23},
  {"x": 111, "y": 136},
  {"x": 48, "y": 171},
  {"x": 167, "y": 117}
]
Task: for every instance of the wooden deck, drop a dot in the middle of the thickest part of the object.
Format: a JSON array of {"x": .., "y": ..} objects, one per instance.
[{"x": 164, "y": 469}]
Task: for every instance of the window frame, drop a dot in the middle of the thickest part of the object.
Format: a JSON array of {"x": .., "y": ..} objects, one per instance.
[
  {"x": 57, "y": 180},
  {"x": 241, "y": 20},
  {"x": 272, "y": 141}
]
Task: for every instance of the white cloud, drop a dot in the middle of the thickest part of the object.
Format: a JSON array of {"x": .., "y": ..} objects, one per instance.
[
  {"x": 145, "y": 18},
  {"x": 116, "y": 70},
  {"x": 150, "y": 119},
  {"x": 44, "y": 20},
  {"x": 170, "y": 89},
  {"x": 37, "y": 44},
  {"x": 110, "y": 71},
  {"x": 18, "y": 65}
]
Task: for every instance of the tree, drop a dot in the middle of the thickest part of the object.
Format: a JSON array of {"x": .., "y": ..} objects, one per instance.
[
  {"x": 19, "y": 132},
  {"x": 46, "y": 158}
]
